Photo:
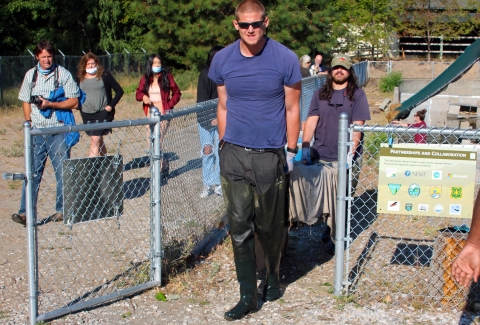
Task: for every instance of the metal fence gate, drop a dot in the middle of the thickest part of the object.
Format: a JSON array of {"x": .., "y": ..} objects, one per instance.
[
  {"x": 401, "y": 258},
  {"x": 126, "y": 218}
]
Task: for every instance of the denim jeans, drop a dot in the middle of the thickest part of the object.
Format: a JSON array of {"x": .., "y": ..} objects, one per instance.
[
  {"x": 53, "y": 146},
  {"x": 211, "y": 162}
]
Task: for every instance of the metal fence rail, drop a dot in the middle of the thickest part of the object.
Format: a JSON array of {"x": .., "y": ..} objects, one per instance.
[{"x": 402, "y": 258}]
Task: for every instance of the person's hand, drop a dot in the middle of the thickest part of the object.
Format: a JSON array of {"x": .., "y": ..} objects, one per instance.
[
  {"x": 45, "y": 103},
  {"x": 290, "y": 159},
  {"x": 306, "y": 160},
  {"x": 146, "y": 100},
  {"x": 214, "y": 122},
  {"x": 467, "y": 265},
  {"x": 108, "y": 108}
]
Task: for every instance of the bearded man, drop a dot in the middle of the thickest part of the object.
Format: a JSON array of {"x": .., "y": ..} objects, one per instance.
[{"x": 340, "y": 94}]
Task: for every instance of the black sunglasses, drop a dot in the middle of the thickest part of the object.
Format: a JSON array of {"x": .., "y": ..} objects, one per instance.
[
  {"x": 335, "y": 105},
  {"x": 255, "y": 24}
]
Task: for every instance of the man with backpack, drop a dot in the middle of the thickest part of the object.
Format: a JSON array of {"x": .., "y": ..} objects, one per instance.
[{"x": 39, "y": 110}]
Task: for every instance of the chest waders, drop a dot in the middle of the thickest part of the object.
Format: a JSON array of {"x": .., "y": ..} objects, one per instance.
[{"x": 254, "y": 207}]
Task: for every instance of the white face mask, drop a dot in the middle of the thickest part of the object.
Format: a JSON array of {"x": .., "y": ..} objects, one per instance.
[{"x": 92, "y": 70}]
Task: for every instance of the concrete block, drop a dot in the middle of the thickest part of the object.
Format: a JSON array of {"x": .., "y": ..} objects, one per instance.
[{"x": 386, "y": 102}]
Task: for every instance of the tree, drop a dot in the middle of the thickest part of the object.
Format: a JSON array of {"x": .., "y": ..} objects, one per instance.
[
  {"x": 368, "y": 22},
  {"x": 429, "y": 18}
]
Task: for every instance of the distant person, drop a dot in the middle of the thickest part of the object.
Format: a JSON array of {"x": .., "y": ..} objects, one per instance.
[
  {"x": 208, "y": 131},
  {"x": 419, "y": 123},
  {"x": 158, "y": 88},
  {"x": 37, "y": 85},
  {"x": 466, "y": 267},
  {"x": 317, "y": 67},
  {"x": 340, "y": 94},
  {"x": 259, "y": 84},
  {"x": 99, "y": 105},
  {"x": 305, "y": 62}
]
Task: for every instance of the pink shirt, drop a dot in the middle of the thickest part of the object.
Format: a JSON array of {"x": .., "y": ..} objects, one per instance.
[
  {"x": 154, "y": 94},
  {"x": 420, "y": 138}
]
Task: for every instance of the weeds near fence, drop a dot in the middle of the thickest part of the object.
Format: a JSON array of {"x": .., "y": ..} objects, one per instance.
[
  {"x": 390, "y": 81},
  {"x": 16, "y": 150},
  {"x": 372, "y": 146}
]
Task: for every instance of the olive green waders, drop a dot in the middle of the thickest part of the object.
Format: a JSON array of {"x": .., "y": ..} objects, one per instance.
[{"x": 254, "y": 186}]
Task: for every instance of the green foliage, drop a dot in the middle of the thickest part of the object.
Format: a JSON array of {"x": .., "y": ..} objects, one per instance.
[
  {"x": 160, "y": 296},
  {"x": 372, "y": 144},
  {"x": 390, "y": 81},
  {"x": 127, "y": 314},
  {"x": 368, "y": 22}
]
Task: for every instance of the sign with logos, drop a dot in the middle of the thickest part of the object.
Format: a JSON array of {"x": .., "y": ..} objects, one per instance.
[{"x": 426, "y": 180}]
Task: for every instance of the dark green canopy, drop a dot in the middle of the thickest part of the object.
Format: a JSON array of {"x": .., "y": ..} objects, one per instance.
[{"x": 454, "y": 72}]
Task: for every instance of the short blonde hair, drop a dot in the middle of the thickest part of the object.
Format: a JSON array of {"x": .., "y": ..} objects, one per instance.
[
  {"x": 249, "y": 6},
  {"x": 304, "y": 59}
]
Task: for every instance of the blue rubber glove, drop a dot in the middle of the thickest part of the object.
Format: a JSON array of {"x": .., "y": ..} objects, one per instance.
[
  {"x": 290, "y": 159},
  {"x": 349, "y": 159},
  {"x": 306, "y": 160}
]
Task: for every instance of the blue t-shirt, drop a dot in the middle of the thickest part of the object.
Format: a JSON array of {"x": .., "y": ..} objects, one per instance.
[{"x": 255, "y": 92}]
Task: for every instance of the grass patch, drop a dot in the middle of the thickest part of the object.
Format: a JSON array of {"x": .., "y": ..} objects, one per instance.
[
  {"x": 3, "y": 314},
  {"x": 14, "y": 185},
  {"x": 16, "y": 150}
]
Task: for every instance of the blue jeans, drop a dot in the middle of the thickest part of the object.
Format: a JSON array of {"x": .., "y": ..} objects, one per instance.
[
  {"x": 54, "y": 146},
  {"x": 211, "y": 162}
]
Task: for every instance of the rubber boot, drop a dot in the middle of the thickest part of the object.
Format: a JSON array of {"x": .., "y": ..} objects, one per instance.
[
  {"x": 247, "y": 277},
  {"x": 271, "y": 290}
]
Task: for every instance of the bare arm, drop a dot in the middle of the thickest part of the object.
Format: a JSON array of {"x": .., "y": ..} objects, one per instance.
[
  {"x": 292, "y": 104},
  {"x": 309, "y": 130},
  {"x": 467, "y": 264},
  {"x": 27, "y": 110},
  {"x": 357, "y": 136},
  {"x": 70, "y": 103},
  {"x": 222, "y": 110}
]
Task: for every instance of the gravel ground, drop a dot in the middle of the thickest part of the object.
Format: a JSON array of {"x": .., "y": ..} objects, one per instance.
[{"x": 205, "y": 291}]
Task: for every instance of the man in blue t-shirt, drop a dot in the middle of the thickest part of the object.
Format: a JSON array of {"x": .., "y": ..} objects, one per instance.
[
  {"x": 340, "y": 94},
  {"x": 259, "y": 84}
]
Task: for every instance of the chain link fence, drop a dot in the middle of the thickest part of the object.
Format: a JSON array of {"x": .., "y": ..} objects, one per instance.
[
  {"x": 404, "y": 231},
  {"x": 128, "y": 217}
]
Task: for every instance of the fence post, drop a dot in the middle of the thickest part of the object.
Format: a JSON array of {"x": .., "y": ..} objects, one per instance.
[
  {"x": 31, "y": 224},
  {"x": 341, "y": 202},
  {"x": 441, "y": 47},
  {"x": 128, "y": 62},
  {"x": 156, "y": 178},
  {"x": 64, "y": 62},
  {"x": 109, "y": 61}
]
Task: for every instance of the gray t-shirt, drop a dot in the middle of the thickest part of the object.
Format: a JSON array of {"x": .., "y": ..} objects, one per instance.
[{"x": 96, "y": 98}]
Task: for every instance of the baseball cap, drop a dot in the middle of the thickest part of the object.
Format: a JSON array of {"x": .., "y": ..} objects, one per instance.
[{"x": 342, "y": 60}]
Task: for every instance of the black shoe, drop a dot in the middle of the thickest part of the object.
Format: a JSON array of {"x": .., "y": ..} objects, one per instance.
[
  {"x": 19, "y": 218},
  {"x": 247, "y": 304}
]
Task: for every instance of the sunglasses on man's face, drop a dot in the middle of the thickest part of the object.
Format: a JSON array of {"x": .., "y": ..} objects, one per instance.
[{"x": 255, "y": 24}]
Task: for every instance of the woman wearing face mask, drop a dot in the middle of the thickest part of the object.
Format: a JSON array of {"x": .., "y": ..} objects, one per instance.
[
  {"x": 158, "y": 88},
  {"x": 99, "y": 104}
]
